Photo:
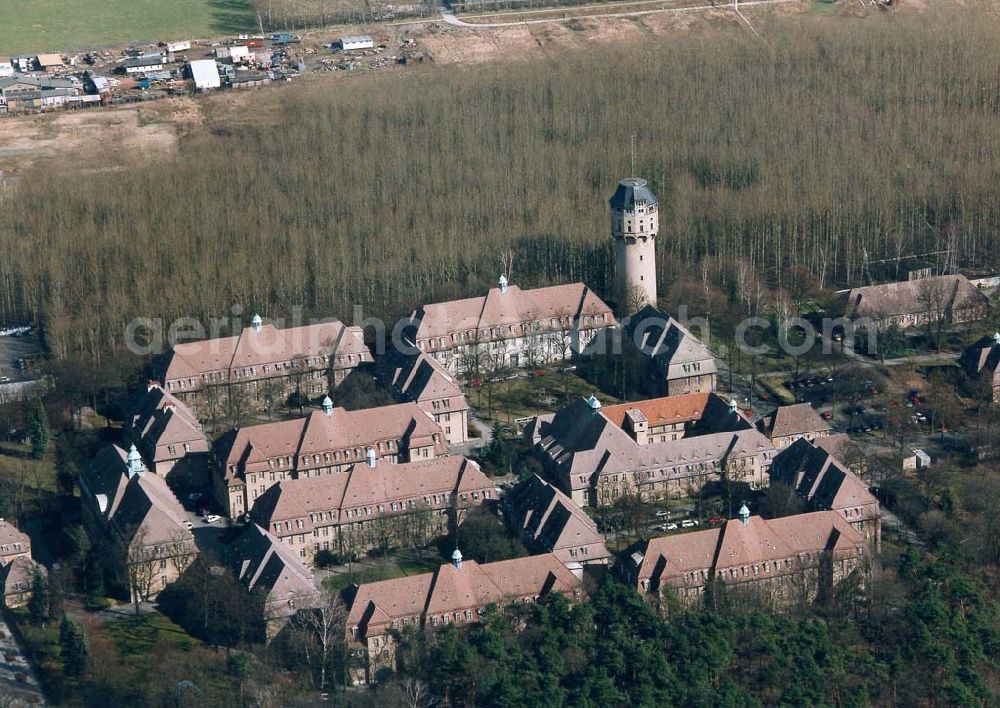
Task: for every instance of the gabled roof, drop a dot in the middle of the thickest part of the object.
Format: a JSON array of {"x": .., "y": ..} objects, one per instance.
[
  {"x": 157, "y": 417},
  {"x": 20, "y": 570},
  {"x": 983, "y": 354},
  {"x": 669, "y": 410},
  {"x": 515, "y": 306},
  {"x": 796, "y": 419},
  {"x": 365, "y": 486},
  {"x": 10, "y": 534},
  {"x": 907, "y": 297},
  {"x": 668, "y": 558},
  {"x": 270, "y": 345},
  {"x": 550, "y": 518},
  {"x": 418, "y": 376},
  {"x": 821, "y": 480},
  {"x": 657, "y": 334},
  {"x": 263, "y": 564},
  {"x": 449, "y": 589}
]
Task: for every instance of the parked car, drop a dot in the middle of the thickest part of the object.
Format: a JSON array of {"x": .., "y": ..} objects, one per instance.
[
  {"x": 662, "y": 513},
  {"x": 537, "y": 373},
  {"x": 661, "y": 527},
  {"x": 826, "y": 415},
  {"x": 476, "y": 383},
  {"x": 717, "y": 520},
  {"x": 688, "y": 523},
  {"x": 671, "y": 527},
  {"x": 4, "y": 379},
  {"x": 211, "y": 518}
]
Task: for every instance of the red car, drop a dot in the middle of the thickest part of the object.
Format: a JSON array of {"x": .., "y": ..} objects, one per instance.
[
  {"x": 538, "y": 372},
  {"x": 717, "y": 520},
  {"x": 826, "y": 415},
  {"x": 476, "y": 383}
]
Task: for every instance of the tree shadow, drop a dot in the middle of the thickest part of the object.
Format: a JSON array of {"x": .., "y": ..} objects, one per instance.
[{"x": 231, "y": 16}]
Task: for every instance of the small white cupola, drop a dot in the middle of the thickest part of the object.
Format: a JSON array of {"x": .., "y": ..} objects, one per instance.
[
  {"x": 256, "y": 323},
  {"x": 327, "y": 405},
  {"x": 593, "y": 403},
  {"x": 744, "y": 513},
  {"x": 135, "y": 465},
  {"x": 456, "y": 559},
  {"x": 503, "y": 283}
]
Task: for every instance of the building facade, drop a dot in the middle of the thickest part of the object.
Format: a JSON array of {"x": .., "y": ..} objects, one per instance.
[
  {"x": 374, "y": 505},
  {"x": 778, "y": 563},
  {"x": 664, "y": 358},
  {"x": 661, "y": 448},
  {"x": 13, "y": 542},
  {"x": 420, "y": 378},
  {"x": 635, "y": 221},
  {"x": 453, "y": 594},
  {"x": 509, "y": 328},
  {"x": 248, "y": 461},
  {"x": 136, "y": 516},
  {"x": 262, "y": 366}
]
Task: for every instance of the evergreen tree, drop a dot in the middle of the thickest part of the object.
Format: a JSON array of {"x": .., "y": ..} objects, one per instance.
[
  {"x": 73, "y": 643},
  {"x": 40, "y": 436},
  {"x": 38, "y": 605}
]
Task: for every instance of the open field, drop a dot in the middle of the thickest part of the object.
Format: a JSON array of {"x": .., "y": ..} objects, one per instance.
[{"x": 57, "y": 25}]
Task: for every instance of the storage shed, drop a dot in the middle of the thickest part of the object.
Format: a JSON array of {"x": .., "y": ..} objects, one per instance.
[
  {"x": 205, "y": 73},
  {"x": 353, "y": 44}
]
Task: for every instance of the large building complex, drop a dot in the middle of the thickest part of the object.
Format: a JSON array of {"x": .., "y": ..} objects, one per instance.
[
  {"x": 262, "y": 366},
  {"x": 453, "y": 594},
  {"x": 372, "y": 505},
  {"x": 791, "y": 561},
  {"x": 252, "y": 459},
  {"x": 665, "y": 447},
  {"x": 510, "y": 327}
]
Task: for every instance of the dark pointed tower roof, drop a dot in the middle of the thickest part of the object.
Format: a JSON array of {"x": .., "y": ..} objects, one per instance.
[{"x": 632, "y": 191}]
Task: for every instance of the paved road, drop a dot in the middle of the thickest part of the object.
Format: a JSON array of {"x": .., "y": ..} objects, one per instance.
[
  {"x": 451, "y": 19},
  {"x": 17, "y": 679}
]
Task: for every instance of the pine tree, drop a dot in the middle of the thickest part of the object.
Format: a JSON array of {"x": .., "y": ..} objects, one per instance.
[
  {"x": 73, "y": 642},
  {"x": 40, "y": 436},
  {"x": 38, "y": 605}
]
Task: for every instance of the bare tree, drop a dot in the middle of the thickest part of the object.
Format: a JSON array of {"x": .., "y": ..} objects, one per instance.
[
  {"x": 142, "y": 565},
  {"x": 932, "y": 296},
  {"x": 325, "y": 626}
]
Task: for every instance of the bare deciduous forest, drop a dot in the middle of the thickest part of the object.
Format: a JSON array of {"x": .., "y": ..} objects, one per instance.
[{"x": 799, "y": 153}]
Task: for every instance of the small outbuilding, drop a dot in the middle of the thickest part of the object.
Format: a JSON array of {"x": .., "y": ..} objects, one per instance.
[
  {"x": 358, "y": 43},
  {"x": 205, "y": 73},
  {"x": 50, "y": 63}
]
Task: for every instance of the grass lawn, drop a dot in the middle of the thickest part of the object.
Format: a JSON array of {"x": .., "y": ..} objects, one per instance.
[
  {"x": 64, "y": 25},
  {"x": 364, "y": 572},
  {"x": 19, "y": 467},
  {"x": 142, "y": 636},
  {"x": 525, "y": 397}
]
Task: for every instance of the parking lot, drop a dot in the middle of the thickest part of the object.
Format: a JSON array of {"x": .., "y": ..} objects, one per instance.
[{"x": 18, "y": 355}]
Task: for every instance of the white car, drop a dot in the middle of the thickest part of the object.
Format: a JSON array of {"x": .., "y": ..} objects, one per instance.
[
  {"x": 211, "y": 518},
  {"x": 688, "y": 523},
  {"x": 671, "y": 527},
  {"x": 662, "y": 514}
]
